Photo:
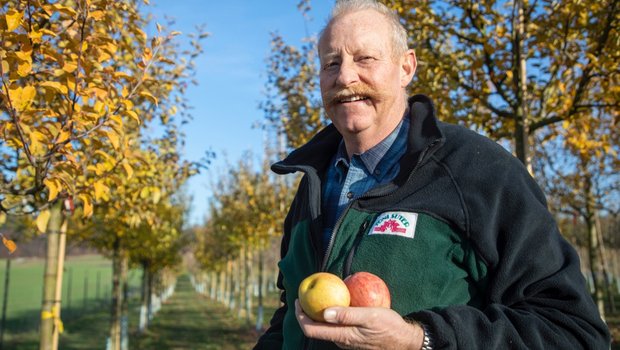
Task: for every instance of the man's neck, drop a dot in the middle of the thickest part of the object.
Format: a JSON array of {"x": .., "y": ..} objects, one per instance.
[{"x": 362, "y": 142}]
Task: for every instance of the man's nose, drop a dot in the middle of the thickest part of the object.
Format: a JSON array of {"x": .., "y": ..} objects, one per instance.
[{"x": 347, "y": 74}]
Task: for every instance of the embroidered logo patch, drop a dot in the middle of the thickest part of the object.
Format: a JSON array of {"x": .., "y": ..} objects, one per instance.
[{"x": 395, "y": 223}]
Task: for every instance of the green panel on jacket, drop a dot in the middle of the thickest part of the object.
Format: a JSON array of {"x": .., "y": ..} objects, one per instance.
[
  {"x": 405, "y": 249},
  {"x": 422, "y": 251},
  {"x": 295, "y": 269}
]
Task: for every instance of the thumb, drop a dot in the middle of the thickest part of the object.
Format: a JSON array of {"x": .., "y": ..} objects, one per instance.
[{"x": 344, "y": 315}]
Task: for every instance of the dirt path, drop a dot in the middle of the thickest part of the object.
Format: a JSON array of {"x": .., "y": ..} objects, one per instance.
[{"x": 189, "y": 321}]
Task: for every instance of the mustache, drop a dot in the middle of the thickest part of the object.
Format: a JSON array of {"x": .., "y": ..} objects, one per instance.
[{"x": 334, "y": 96}]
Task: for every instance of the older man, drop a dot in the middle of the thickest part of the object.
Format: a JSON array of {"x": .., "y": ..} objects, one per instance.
[{"x": 473, "y": 258}]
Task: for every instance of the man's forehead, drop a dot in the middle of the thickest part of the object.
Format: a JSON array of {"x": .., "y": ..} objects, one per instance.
[{"x": 361, "y": 27}]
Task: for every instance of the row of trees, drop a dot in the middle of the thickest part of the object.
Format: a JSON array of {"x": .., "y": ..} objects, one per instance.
[
  {"x": 540, "y": 77},
  {"x": 82, "y": 88},
  {"x": 235, "y": 249}
]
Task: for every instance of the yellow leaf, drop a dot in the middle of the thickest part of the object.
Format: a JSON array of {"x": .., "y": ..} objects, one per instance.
[
  {"x": 54, "y": 186},
  {"x": 63, "y": 136},
  {"x": 10, "y": 245},
  {"x": 24, "y": 68},
  {"x": 144, "y": 193},
  {"x": 147, "y": 55},
  {"x": 156, "y": 195},
  {"x": 66, "y": 10},
  {"x": 21, "y": 98},
  {"x": 100, "y": 190},
  {"x": 35, "y": 36},
  {"x": 42, "y": 220},
  {"x": 113, "y": 137},
  {"x": 134, "y": 116},
  {"x": 47, "y": 32},
  {"x": 97, "y": 15},
  {"x": 55, "y": 86},
  {"x": 69, "y": 67},
  {"x": 13, "y": 19},
  {"x": 128, "y": 169},
  {"x": 37, "y": 142},
  {"x": 2, "y": 217},
  {"x": 149, "y": 97},
  {"x": 88, "y": 205}
]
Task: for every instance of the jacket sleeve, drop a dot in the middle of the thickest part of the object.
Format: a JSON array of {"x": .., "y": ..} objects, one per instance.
[
  {"x": 273, "y": 337},
  {"x": 535, "y": 295}
]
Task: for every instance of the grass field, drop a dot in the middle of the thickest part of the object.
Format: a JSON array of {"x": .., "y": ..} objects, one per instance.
[
  {"x": 187, "y": 321},
  {"x": 86, "y": 293}
]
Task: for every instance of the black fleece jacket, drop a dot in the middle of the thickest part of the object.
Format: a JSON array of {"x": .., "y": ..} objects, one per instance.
[{"x": 486, "y": 267}]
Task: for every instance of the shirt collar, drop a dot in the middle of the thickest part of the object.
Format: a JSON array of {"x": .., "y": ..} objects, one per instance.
[{"x": 380, "y": 158}]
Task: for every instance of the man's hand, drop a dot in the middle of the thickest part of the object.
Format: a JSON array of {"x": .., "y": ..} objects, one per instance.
[{"x": 362, "y": 328}]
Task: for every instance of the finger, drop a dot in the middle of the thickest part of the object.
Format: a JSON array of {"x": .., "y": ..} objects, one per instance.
[
  {"x": 355, "y": 316},
  {"x": 319, "y": 330}
]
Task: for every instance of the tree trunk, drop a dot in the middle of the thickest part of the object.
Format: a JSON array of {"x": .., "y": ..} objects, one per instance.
[
  {"x": 593, "y": 247},
  {"x": 119, "y": 273},
  {"x": 62, "y": 240},
  {"x": 260, "y": 316},
  {"x": 522, "y": 142},
  {"x": 125, "y": 305},
  {"x": 604, "y": 264},
  {"x": 247, "y": 284},
  {"x": 49, "y": 311},
  {"x": 149, "y": 297},
  {"x": 142, "y": 323},
  {"x": 5, "y": 298}
]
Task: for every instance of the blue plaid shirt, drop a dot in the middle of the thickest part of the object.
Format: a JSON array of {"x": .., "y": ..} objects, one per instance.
[{"x": 347, "y": 180}]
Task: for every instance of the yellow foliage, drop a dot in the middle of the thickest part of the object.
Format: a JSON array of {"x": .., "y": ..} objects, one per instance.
[
  {"x": 42, "y": 219},
  {"x": 9, "y": 244},
  {"x": 54, "y": 186},
  {"x": 13, "y": 19}
]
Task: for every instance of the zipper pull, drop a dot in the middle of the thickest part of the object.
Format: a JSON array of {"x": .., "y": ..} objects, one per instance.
[{"x": 349, "y": 260}]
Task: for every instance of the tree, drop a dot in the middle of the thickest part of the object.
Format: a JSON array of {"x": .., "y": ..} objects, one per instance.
[
  {"x": 292, "y": 106},
  {"x": 77, "y": 81},
  {"x": 511, "y": 68},
  {"x": 580, "y": 169}
]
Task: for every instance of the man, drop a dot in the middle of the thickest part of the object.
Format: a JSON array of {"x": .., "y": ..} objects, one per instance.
[{"x": 471, "y": 255}]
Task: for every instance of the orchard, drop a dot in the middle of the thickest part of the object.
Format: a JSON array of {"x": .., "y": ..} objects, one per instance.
[{"x": 108, "y": 154}]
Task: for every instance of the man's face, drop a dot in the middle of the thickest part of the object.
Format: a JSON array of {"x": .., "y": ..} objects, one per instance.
[{"x": 362, "y": 81}]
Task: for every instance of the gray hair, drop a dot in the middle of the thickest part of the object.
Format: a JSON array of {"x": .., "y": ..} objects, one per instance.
[{"x": 399, "y": 34}]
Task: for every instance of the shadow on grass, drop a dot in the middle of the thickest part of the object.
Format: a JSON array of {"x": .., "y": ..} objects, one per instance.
[
  {"x": 186, "y": 321},
  {"x": 85, "y": 328}
]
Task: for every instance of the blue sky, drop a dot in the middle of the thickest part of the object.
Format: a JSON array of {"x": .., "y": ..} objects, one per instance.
[{"x": 231, "y": 74}]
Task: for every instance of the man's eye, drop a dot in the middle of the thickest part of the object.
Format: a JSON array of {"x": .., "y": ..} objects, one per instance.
[{"x": 329, "y": 65}]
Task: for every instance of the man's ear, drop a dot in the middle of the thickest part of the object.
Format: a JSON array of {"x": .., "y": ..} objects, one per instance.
[{"x": 408, "y": 67}]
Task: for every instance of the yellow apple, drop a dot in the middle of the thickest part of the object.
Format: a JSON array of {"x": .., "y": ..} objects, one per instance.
[{"x": 321, "y": 290}]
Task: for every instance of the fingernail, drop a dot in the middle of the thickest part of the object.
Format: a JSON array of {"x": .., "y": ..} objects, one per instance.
[{"x": 329, "y": 315}]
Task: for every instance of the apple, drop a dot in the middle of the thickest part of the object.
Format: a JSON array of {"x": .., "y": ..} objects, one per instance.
[
  {"x": 321, "y": 290},
  {"x": 367, "y": 289}
]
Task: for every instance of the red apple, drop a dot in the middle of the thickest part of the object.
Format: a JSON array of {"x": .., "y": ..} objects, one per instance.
[{"x": 367, "y": 289}]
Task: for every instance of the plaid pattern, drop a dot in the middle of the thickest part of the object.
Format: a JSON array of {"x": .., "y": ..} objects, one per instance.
[{"x": 347, "y": 180}]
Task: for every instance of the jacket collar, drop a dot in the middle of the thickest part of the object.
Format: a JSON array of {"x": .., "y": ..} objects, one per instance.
[{"x": 315, "y": 155}]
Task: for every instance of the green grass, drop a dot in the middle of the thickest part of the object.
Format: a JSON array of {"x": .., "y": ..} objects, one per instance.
[
  {"x": 90, "y": 280},
  {"x": 191, "y": 321},
  {"x": 186, "y": 321}
]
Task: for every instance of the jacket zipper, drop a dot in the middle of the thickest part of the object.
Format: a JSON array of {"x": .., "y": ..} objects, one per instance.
[
  {"x": 349, "y": 259},
  {"x": 358, "y": 239},
  {"x": 344, "y": 212}
]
